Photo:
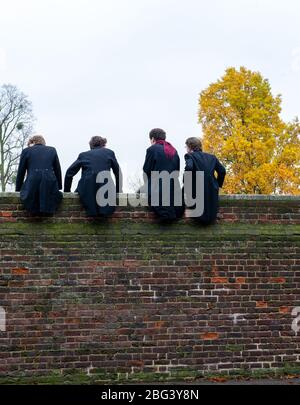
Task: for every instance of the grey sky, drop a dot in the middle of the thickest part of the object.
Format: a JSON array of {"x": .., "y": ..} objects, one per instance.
[{"x": 118, "y": 68}]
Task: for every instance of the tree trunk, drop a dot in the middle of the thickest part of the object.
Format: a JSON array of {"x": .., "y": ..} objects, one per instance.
[{"x": 2, "y": 162}]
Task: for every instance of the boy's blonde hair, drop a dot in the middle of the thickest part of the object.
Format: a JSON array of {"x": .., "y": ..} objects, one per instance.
[{"x": 36, "y": 140}]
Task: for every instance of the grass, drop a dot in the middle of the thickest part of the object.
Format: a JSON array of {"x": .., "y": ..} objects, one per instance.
[{"x": 73, "y": 377}]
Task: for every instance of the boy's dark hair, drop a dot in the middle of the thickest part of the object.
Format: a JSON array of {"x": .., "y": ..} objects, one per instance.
[
  {"x": 97, "y": 141},
  {"x": 157, "y": 134},
  {"x": 194, "y": 144}
]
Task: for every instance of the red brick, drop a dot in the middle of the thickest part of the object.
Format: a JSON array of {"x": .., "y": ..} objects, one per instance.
[
  {"x": 277, "y": 280},
  {"x": 219, "y": 280},
  {"x": 159, "y": 324},
  {"x": 261, "y": 304},
  {"x": 131, "y": 263},
  {"x": 20, "y": 270},
  {"x": 240, "y": 280},
  {"x": 6, "y": 214},
  {"x": 209, "y": 336},
  {"x": 195, "y": 268},
  {"x": 136, "y": 363}
]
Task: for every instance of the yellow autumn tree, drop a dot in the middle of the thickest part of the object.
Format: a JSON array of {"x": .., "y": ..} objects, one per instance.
[{"x": 242, "y": 125}]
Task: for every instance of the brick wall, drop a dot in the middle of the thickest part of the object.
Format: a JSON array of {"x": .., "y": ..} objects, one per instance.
[{"x": 129, "y": 296}]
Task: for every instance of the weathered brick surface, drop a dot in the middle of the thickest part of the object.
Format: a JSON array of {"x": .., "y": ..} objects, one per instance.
[{"x": 129, "y": 294}]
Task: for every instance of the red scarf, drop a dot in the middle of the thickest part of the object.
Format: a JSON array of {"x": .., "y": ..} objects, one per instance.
[{"x": 169, "y": 150}]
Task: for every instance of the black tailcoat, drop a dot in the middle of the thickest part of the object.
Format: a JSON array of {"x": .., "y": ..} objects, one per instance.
[
  {"x": 40, "y": 191},
  {"x": 156, "y": 160},
  {"x": 209, "y": 164},
  {"x": 91, "y": 163}
]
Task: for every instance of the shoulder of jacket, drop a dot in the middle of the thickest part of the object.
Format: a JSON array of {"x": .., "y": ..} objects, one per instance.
[
  {"x": 209, "y": 155},
  {"x": 188, "y": 156},
  {"x": 86, "y": 152},
  {"x": 51, "y": 148},
  {"x": 25, "y": 150},
  {"x": 153, "y": 148},
  {"x": 111, "y": 152}
]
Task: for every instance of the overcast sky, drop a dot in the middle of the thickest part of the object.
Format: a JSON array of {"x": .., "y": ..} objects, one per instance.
[{"x": 118, "y": 68}]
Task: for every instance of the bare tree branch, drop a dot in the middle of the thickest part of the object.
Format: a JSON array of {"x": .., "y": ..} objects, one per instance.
[{"x": 16, "y": 121}]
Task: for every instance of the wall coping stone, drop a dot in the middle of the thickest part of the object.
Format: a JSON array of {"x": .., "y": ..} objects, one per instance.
[{"x": 223, "y": 197}]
